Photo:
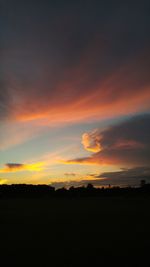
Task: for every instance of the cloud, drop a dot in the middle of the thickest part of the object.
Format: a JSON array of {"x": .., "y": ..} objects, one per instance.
[
  {"x": 126, "y": 176},
  {"x": 79, "y": 71},
  {"x": 63, "y": 69},
  {"x": 16, "y": 167},
  {"x": 91, "y": 141},
  {"x": 70, "y": 174},
  {"x": 117, "y": 93},
  {"x": 4, "y": 102},
  {"x": 123, "y": 177},
  {"x": 138, "y": 172},
  {"x": 124, "y": 144}
]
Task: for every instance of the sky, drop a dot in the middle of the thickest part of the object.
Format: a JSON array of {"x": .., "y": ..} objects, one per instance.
[{"x": 74, "y": 92}]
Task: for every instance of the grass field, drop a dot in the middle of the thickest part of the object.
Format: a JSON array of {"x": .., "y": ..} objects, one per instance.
[{"x": 75, "y": 232}]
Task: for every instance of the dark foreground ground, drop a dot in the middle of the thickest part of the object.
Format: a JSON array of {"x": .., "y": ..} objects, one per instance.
[{"x": 96, "y": 231}]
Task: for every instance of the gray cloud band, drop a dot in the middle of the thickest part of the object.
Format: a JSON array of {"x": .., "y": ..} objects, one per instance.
[{"x": 125, "y": 144}]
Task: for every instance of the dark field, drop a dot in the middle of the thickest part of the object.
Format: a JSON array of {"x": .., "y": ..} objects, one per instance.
[{"x": 75, "y": 231}]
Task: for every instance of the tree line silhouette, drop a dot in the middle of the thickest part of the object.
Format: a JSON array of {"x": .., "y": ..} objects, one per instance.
[{"x": 29, "y": 190}]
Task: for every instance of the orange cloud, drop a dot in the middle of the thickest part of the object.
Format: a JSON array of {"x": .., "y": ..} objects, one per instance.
[
  {"x": 92, "y": 89},
  {"x": 125, "y": 144},
  {"x": 94, "y": 106},
  {"x": 81, "y": 96},
  {"x": 91, "y": 142},
  {"x": 88, "y": 161}
]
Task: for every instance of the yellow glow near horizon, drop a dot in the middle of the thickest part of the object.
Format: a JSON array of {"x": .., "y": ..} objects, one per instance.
[
  {"x": 39, "y": 166},
  {"x": 3, "y": 181}
]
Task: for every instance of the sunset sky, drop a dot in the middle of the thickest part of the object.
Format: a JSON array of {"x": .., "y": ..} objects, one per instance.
[{"x": 74, "y": 92}]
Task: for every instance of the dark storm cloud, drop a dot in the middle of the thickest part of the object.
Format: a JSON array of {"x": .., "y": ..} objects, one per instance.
[
  {"x": 12, "y": 166},
  {"x": 136, "y": 129},
  {"x": 126, "y": 176},
  {"x": 138, "y": 172},
  {"x": 55, "y": 54},
  {"x": 125, "y": 144}
]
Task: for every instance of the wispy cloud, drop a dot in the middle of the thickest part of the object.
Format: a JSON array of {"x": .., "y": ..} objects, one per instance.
[
  {"x": 92, "y": 89},
  {"x": 68, "y": 174}
]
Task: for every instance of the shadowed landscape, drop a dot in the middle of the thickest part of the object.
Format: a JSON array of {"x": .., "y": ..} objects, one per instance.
[{"x": 77, "y": 227}]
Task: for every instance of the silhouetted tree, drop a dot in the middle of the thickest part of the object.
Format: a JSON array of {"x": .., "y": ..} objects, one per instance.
[
  {"x": 90, "y": 186},
  {"x": 142, "y": 183},
  {"x": 25, "y": 191}
]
